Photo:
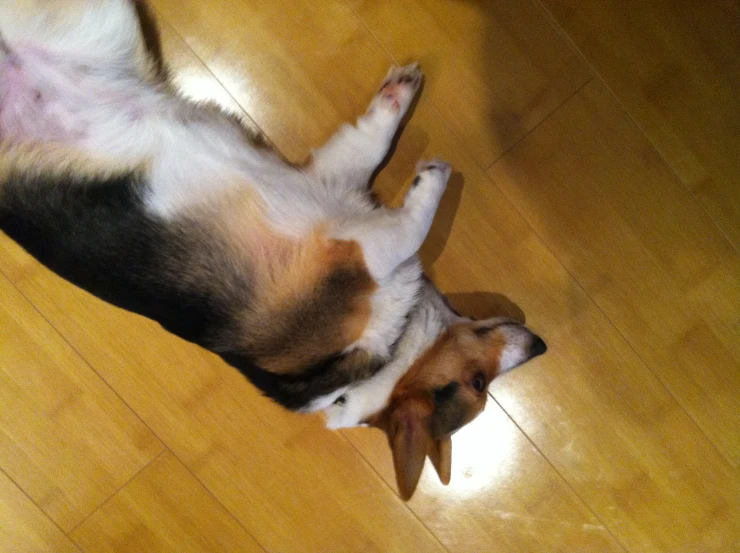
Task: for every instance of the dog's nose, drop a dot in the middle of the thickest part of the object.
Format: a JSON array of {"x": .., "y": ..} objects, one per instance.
[{"x": 538, "y": 347}]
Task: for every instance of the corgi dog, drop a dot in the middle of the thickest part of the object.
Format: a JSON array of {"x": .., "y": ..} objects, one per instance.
[{"x": 293, "y": 274}]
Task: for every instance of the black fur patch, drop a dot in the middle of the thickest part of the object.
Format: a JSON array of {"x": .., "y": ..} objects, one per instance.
[
  {"x": 445, "y": 394},
  {"x": 449, "y": 411},
  {"x": 295, "y": 391},
  {"x": 96, "y": 234}
]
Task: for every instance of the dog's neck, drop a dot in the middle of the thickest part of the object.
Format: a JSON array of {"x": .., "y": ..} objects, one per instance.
[{"x": 355, "y": 404}]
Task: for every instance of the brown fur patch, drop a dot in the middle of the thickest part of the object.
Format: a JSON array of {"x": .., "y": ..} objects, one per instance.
[
  {"x": 308, "y": 299},
  {"x": 314, "y": 305},
  {"x": 54, "y": 158},
  {"x": 457, "y": 356},
  {"x": 458, "y": 352}
]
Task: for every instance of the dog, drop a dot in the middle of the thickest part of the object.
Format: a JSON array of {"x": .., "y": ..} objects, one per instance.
[{"x": 293, "y": 274}]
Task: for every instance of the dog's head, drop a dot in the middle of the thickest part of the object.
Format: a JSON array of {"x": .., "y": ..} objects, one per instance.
[{"x": 445, "y": 389}]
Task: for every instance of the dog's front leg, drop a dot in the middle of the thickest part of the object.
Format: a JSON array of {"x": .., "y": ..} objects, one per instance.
[
  {"x": 353, "y": 153},
  {"x": 389, "y": 237}
]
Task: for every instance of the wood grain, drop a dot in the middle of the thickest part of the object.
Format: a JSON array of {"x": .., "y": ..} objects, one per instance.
[
  {"x": 633, "y": 237},
  {"x": 675, "y": 67},
  {"x": 609, "y": 208},
  {"x": 285, "y": 58},
  {"x": 25, "y": 528},
  {"x": 189, "y": 75},
  {"x": 163, "y": 509},
  {"x": 66, "y": 439},
  {"x": 494, "y": 69},
  {"x": 503, "y": 496}
]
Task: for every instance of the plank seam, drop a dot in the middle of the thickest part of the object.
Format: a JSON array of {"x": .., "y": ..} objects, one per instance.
[{"x": 702, "y": 206}]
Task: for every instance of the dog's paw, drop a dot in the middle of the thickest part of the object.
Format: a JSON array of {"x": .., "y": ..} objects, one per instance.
[
  {"x": 436, "y": 165},
  {"x": 342, "y": 414},
  {"x": 429, "y": 183},
  {"x": 399, "y": 88}
]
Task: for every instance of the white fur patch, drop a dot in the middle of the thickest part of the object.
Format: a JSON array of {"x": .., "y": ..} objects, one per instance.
[{"x": 516, "y": 352}]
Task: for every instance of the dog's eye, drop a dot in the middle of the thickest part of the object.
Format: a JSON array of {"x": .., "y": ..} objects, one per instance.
[{"x": 479, "y": 382}]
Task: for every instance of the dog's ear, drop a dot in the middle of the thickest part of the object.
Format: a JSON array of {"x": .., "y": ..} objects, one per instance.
[
  {"x": 440, "y": 453},
  {"x": 410, "y": 439}
]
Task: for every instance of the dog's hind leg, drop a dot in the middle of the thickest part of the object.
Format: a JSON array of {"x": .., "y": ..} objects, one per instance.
[
  {"x": 389, "y": 237},
  {"x": 353, "y": 153}
]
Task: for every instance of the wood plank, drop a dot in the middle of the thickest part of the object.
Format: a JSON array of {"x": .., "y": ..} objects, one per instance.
[
  {"x": 494, "y": 69},
  {"x": 609, "y": 208},
  {"x": 24, "y": 528},
  {"x": 675, "y": 67},
  {"x": 637, "y": 242},
  {"x": 163, "y": 509},
  {"x": 65, "y": 438}
]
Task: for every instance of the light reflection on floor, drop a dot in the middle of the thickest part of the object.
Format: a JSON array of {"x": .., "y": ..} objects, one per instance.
[{"x": 484, "y": 456}]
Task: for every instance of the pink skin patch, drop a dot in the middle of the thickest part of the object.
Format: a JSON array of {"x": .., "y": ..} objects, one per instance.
[
  {"x": 391, "y": 93},
  {"x": 45, "y": 97},
  {"x": 30, "y": 104}
]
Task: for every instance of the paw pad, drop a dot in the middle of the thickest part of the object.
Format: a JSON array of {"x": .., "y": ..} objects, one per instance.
[
  {"x": 435, "y": 164},
  {"x": 406, "y": 75},
  {"x": 399, "y": 87}
]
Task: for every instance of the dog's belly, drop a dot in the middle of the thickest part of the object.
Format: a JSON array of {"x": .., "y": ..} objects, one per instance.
[
  {"x": 26, "y": 113},
  {"x": 45, "y": 97}
]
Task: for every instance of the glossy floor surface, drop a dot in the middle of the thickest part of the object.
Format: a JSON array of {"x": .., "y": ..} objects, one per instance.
[{"x": 596, "y": 189}]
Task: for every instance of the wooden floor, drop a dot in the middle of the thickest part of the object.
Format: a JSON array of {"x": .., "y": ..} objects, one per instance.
[{"x": 596, "y": 149}]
